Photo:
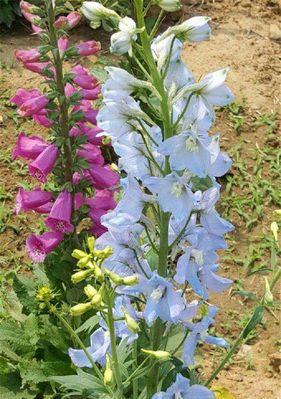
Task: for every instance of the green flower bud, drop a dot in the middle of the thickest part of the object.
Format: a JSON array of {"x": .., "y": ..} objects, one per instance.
[
  {"x": 91, "y": 243},
  {"x": 96, "y": 300},
  {"x": 80, "y": 276},
  {"x": 274, "y": 228},
  {"x": 108, "y": 377},
  {"x": 78, "y": 254},
  {"x": 268, "y": 297},
  {"x": 159, "y": 355},
  {"x": 115, "y": 278},
  {"x": 80, "y": 309},
  {"x": 83, "y": 262},
  {"x": 90, "y": 291},
  {"x": 130, "y": 280},
  {"x": 131, "y": 323}
]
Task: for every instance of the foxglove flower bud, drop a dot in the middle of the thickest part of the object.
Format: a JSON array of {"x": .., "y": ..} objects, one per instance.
[
  {"x": 25, "y": 56},
  {"x": 88, "y": 48}
]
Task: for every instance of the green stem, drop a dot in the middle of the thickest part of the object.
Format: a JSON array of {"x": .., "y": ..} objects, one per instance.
[
  {"x": 115, "y": 363},
  {"x": 157, "y": 329},
  {"x": 79, "y": 342},
  {"x": 135, "y": 381}
]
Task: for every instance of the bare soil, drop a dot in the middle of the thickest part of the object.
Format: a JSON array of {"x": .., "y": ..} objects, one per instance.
[{"x": 246, "y": 37}]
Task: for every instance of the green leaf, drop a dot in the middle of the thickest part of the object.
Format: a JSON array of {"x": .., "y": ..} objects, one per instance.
[
  {"x": 254, "y": 321},
  {"x": 80, "y": 383},
  {"x": 89, "y": 324}
]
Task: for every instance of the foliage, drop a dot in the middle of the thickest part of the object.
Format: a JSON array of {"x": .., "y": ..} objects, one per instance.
[{"x": 8, "y": 11}]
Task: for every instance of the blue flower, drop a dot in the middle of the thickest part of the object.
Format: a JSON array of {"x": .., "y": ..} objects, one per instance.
[
  {"x": 209, "y": 217},
  {"x": 100, "y": 345},
  {"x": 181, "y": 389},
  {"x": 163, "y": 300},
  {"x": 188, "y": 150},
  {"x": 133, "y": 199},
  {"x": 173, "y": 194},
  {"x": 198, "y": 332}
]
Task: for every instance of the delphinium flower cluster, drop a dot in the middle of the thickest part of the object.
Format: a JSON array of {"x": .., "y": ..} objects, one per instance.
[
  {"x": 151, "y": 274},
  {"x": 71, "y": 158}
]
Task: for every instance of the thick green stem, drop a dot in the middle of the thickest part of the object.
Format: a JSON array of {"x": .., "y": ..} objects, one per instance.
[
  {"x": 115, "y": 363},
  {"x": 157, "y": 330},
  {"x": 63, "y": 109}
]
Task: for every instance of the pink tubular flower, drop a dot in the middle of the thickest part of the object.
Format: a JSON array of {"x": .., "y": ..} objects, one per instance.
[
  {"x": 59, "y": 218},
  {"x": 88, "y": 48},
  {"x": 97, "y": 228},
  {"x": 68, "y": 22},
  {"x": 104, "y": 199},
  {"x": 45, "y": 209},
  {"x": 28, "y": 147},
  {"x": 91, "y": 94},
  {"x": 39, "y": 246},
  {"x": 25, "y": 6},
  {"x": 36, "y": 29},
  {"x": 44, "y": 163},
  {"x": 30, "y": 200},
  {"x": 23, "y": 95},
  {"x": 63, "y": 43},
  {"x": 39, "y": 67},
  {"x": 91, "y": 153},
  {"x": 25, "y": 56},
  {"x": 69, "y": 90},
  {"x": 33, "y": 106},
  {"x": 83, "y": 79},
  {"x": 30, "y": 17},
  {"x": 103, "y": 177},
  {"x": 42, "y": 120}
]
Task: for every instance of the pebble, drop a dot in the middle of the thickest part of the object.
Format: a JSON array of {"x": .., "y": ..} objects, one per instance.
[{"x": 274, "y": 32}]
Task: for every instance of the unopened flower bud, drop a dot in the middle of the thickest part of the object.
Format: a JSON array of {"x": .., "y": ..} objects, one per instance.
[
  {"x": 98, "y": 273},
  {"x": 268, "y": 297},
  {"x": 80, "y": 309},
  {"x": 80, "y": 276},
  {"x": 277, "y": 213},
  {"x": 78, "y": 254},
  {"x": 103, "y": 254},
  {"x": 115, "y": 278},
  {"x": 83, "y": 262},
  {"x": 90, "y": 291},
  {"x": 130, "y": 280},
  {"x": 96, "y": 300},
  {"x": 91, "y": 243},
  {"x": 274, "y": 228},
  {"x": 131, "y": 323},
  {"x": 159, "y": 355},
  {"x": 96, "y": 13},
  {"x": 107, "y": 377},
  {"x": 106, "y": 140},
  {"x": 169, "y": 5}
]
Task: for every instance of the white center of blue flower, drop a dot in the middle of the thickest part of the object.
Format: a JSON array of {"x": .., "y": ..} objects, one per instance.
[
  {"x": 198, "y": 256},
  {"x": 176, "y": 189},
  {"x": 157, "y": 294},
  {"x": 191, "y": 144}
]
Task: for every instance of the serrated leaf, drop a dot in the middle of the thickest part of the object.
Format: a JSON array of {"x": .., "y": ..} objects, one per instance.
[{"x": 31, "y": 371}]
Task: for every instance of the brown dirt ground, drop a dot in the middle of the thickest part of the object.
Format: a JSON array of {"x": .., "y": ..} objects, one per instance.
[{"x": 242, "y": 39}]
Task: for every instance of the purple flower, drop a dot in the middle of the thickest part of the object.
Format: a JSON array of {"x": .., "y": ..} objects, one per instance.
[
  {"x": 163, "y": 300},
  {"x": 28, "y": 147},
  {"x": 59, "y": 218},
  {"x": 91, "y": 153},
  {"x": 39, "y": 246},
  {"x": 99, "y": 346},
  {"x": 198, "y": 332},
  {"x": 31, "y": 200},
  {"x": 103, "y": 177},
  {"x": 181, "y": 389},
  {"x": 44, "y": 163}
]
